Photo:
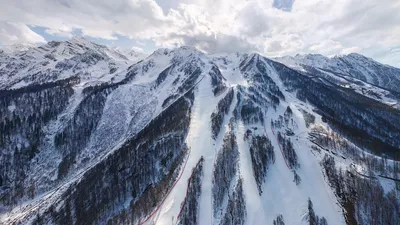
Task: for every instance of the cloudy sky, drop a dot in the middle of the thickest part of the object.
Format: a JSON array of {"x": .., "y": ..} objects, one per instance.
[{"x": 270, "y": 27}]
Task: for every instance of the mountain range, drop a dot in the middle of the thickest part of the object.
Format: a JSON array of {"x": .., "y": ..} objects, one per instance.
[{"x": 91, "y": 134}]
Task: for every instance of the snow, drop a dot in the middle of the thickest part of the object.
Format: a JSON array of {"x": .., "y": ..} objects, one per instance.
[
  {"x": 255, "y": 210},
  {"x": 342, "y": 76},
  {"x": 291, "y": 200},
  {"x": 231, "y": 70},
  {"x": 31, "y": 64},
  {"x": 131, "y": 106},
  {"x": 352, "y": 66},
  {"x": 280, "y": 193},
  {"x": 127, "y": 110},
  {"x": 11, "y": 108},
  {"x": 8, "y": 49},
  {"x": 201, "y": 144},
  {"x": 254, "y": 204}
]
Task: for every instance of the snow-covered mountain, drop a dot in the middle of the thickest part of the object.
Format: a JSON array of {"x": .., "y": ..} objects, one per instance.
[
  {"x": 8, "y": 49},
  {"x": 189, "y": 138},
  {"x": 130, "y": 53},
  {"x": 77, "y": 58},
  {"x": 352, "y": 65}
]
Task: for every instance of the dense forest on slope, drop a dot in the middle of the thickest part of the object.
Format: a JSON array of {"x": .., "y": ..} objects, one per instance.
[
  {"x": 90, "y": 136},
  {"x": 358, "y": 117}
]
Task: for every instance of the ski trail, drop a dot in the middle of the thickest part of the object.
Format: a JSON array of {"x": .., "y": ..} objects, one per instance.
[
  {"x": 280, "y": 193},
  {"x": 201, "y": 143},
  {"x": 254, "y": 208}
]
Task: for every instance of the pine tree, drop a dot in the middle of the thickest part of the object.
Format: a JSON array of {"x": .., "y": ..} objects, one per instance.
[
  {"x": 296, "y": 178},
  {"x": 312, "y": 218},
  {"x": 279, "y": 220}
]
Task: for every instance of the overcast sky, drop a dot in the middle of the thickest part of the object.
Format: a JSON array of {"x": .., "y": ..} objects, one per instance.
[{"x": 270, "y": 27}]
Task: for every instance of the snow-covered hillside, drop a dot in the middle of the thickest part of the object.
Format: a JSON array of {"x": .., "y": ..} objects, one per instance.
[{"x": 183, "y": 137}]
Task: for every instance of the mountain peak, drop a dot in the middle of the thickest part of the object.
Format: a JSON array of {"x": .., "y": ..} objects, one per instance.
[
  {"x": 363, "y": 58},
  {"x": 18, "y": 47},
  {"x": 80, "y": 39},
  {"x": 352, "y": 65},
  {"x": 182, "y": 51}
]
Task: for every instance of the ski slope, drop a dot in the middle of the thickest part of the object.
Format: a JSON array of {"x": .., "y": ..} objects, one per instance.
[
  {"x": 280, "y": 194},
  {"x": 201, "y": 144},
  {"x": 162, "y": 76}
]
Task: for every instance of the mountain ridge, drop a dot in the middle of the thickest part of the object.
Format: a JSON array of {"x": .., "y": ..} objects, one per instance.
[
  {"x": 353, "y": 65},
  {"x": 216, "y": 139}
]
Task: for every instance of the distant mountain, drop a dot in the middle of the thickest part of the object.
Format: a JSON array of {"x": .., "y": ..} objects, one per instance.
[
  {"x": 58, "y": 60},
  {"x": 93, "y": 135},
  {"x": 8, "y": 49},
  {"x": 130, "y": 53},
  {"x": 352, "y": 65}
]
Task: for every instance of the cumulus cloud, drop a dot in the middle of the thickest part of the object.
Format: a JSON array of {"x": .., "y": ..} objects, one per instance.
[
  {"x": 271, "y": 27},
  {"x": 11, "y": 33}
]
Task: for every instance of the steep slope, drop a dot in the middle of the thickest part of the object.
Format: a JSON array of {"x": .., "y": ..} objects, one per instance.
[
  {"x": 78, "y": 137},
  {"x": 189, "y": 138}
]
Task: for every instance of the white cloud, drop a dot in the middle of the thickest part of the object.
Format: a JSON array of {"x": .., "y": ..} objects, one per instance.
[
  {"x": 64, "y": 31},
  {"x": 137, "y": 49},
  {"x": 328, "y": 27},
  {"x": 326, "y": 46},
  {"x": 350, "y": 50},
  {"x": 11, "y": 33},
  {"x": 285, "y": 5}
]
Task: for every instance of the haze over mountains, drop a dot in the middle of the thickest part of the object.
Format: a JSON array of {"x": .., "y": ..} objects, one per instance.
[{"x": 96, "y": 135}]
